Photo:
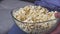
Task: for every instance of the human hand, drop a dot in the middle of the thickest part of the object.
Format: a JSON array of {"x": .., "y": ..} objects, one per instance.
[
  {"x": 57, "y": 15},
  {"x": 57, "y": 30}
]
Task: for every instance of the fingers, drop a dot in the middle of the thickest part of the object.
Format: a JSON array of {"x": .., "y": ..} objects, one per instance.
[{"x": 57, "y": 15}]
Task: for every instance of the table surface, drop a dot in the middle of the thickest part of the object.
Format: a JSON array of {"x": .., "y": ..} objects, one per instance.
[{"x": 6, "y": 6}]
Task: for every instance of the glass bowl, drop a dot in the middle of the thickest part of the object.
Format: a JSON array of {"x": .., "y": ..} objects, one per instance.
[{"x": 35, "y": 28}]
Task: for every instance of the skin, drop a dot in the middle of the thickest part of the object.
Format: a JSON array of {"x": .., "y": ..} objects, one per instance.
[
  {"x": 57, "y": 15},
  {"x": 57, "y": 30}
]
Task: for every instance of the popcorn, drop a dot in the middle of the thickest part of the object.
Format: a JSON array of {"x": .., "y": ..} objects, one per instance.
[
  {"x": 33, "y": 11},
  {"x": 34, "y": 18}
]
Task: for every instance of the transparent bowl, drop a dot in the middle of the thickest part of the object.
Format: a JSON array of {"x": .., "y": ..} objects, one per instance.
[{"x": 35, "y": 28}]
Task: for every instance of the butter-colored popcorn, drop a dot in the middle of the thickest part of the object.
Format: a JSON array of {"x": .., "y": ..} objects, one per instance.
[
  {"x": 34, "y": 18},
  {"x": 34, "y": 14}
]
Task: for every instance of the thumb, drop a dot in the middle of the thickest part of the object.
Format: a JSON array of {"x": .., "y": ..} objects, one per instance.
[{"x": 57, "y": 15}]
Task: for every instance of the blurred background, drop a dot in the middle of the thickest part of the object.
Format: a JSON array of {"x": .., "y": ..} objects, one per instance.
[{"x": 6, "y": 7}]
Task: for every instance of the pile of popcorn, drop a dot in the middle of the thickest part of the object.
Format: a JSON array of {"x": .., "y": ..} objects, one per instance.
[{"x": 34, "y": 14}]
